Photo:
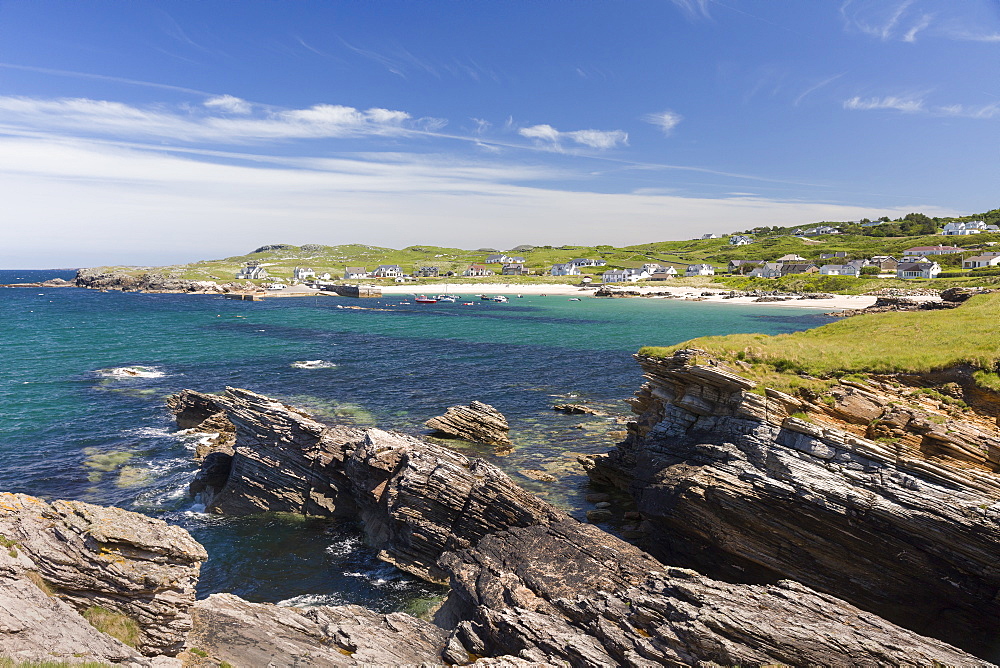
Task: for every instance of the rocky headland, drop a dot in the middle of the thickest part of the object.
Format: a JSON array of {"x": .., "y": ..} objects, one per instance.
[
  {"x": 883, "y": 491},
  {"x": 152, "y": 281}
]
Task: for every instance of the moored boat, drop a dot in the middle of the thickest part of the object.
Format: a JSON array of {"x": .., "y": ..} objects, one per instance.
[{"x": 424, "y": 299}]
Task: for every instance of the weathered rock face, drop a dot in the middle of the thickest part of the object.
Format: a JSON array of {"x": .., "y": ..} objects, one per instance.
[
  {"x": 97, "y": 279},
  {"x": 416, "y": 499},
  {"x": 570, "y": 592},
  {"x": 527, "y": 580},
  {"x": 477, "y": 422},
  {"x": 93, "y": 556},
  {"x": 730, "y": 483},
  {"x": 261, "y": 634}
]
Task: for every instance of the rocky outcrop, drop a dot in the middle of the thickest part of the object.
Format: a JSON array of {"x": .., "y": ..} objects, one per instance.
[
  {"x": 100, "y": 279},
  {"x": 570, "y": 592},
  {"x": 576, "y": 409},
  {"x": 477, "y": 422},
  {"x": 527, "y": 580},
  {"x": 51, "y": 283},
  {"x": 883, "y": 493},
  {"x": 202, "y": 412},
  {"x": 261, "y": 634},
  {"x": 416, "y": 499},
  {"x": 79, "y": 556}
]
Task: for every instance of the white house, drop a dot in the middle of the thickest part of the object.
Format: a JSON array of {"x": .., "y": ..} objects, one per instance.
[
  {"x": 388, "y": 271},
  {"x": 700, "y": 270},
  {"x": 652, "y": 268},
  {"x": 477, "y": 270},
  {"x": 918, "y": 270},
  {"x": 302, "y": 273},
  {"x": 850, "y": 269},
  {"x": 740, "y": 240},
  {"x": 252, "y": 271},
  {"x": 831, "y": 269},
  {"x": 498, "y": 259},
  {"x": 984, "y": 260},
  {"x": 566, "y": 269},
  {"x": 791, "y": 257},
  {"x": 966, "y": 228},
  {"x": 586, "y": 262},
  {"x": 766, "y": 270},
  {"x": 355, "y": 273},
  {"x": 623, "y": 275},
  {"x": 925, "y": 251},
  {"x": 710, "y": 236},
  {"x": 664, "y": 275}
]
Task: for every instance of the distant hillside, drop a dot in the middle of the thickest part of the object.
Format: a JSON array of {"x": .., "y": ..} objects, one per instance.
[{"x": 769, "y": 244}]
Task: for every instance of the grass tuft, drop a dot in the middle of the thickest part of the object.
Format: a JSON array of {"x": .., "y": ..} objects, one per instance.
[{"x": 114, "y": 624}]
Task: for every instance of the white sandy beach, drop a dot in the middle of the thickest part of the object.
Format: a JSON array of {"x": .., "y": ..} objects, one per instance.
[{"x": 839, "y": 302}]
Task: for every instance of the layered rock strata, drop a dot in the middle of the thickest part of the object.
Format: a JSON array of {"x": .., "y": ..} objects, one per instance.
[
  {"x": 80, "y": 556},
  {"x": 259, "y": 634},
  {"x": 527, "y": 580},
  {"x": 571, "y": 592},
  {"x": 882, "y": 493},
  {"x": 477, "y": 422},
  {"x": 416, "y": 499}
]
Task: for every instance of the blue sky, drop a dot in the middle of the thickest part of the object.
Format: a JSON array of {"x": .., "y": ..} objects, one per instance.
[{"x": 152, "y": 132}]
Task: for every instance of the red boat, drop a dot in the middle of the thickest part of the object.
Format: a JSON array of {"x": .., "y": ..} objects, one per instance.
[{"x": 424, "y": 299}]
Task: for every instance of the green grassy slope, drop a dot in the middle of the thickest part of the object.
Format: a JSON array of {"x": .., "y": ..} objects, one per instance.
[
  {"x": 898, "y": 342},
  {"x": 283, "y": 259}
]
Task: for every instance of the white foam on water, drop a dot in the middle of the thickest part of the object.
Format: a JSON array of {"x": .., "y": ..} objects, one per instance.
[
  {"x": 131, "y": 372},
  {"x": 313, "y": 364},
  {"x": 312, "y": 600},
  {"x": 344, "y": 548}
]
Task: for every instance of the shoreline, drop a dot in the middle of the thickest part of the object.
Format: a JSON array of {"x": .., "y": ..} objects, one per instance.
[{"x": 838, "y": 302}]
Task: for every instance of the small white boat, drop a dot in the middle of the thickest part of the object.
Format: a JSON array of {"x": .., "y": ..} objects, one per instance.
[
  {"x": 574, "y": 299},
  {"x": 500, "y": 299},
  {"x": 447, "y": 298}
]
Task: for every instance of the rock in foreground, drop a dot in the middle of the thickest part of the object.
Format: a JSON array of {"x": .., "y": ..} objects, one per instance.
[
  {"x": 477, "y": 422},
  {"x": 571, "y": 592},
  {"x": 86, "y": 556}
]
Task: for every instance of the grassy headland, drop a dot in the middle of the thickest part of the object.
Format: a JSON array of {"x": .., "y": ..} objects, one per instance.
[{"x": 901, "y": 342}]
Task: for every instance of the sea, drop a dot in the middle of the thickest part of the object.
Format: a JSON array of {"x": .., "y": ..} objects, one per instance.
[{"x": 74, "y": 426}]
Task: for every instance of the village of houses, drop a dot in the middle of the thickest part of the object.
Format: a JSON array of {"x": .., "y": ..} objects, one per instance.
[{"x": 914, "y": 263}]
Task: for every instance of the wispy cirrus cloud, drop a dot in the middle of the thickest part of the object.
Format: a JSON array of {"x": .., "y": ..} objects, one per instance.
[
  {"x": 665, "y": 120},
  {"x": 551, "y": 137},
  {"x": 904, "y": 104},
  {"x": 917, "y": 105},
  {"x": 886, "y": 19},
  {"x": 695, "y": 9}
]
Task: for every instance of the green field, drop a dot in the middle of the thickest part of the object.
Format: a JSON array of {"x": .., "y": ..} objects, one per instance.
[{"x": 897, "y": 342}]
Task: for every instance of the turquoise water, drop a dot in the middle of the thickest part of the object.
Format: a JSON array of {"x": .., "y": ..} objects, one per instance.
[{"x": 69, "y": 431}]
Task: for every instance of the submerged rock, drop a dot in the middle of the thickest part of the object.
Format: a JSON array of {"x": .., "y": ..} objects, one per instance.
[
  {"x": 576, "y": 409},
  {"x": 477, "y": 422}
]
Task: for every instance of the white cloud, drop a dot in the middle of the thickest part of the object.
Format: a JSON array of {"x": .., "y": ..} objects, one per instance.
[
  {"x": 904, "y": 104},
  {"x": 81, "y": 115},
  {"x": 665, "y": 120},
  {"x": 228, "y": 103},
  {"x": 885, "y": 19},
  {"x": 599, "y": 139},
  {"x": 79, "y": 202}
]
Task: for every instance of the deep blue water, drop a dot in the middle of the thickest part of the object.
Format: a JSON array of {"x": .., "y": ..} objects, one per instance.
[{"x": 69, "y": 431}]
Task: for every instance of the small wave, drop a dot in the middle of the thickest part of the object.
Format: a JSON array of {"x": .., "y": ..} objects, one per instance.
[
  {"x": 344, "y": 548},
  {"x": 312, "y": 600},
  {"x": 150, "y": 432},
  {"x": 131, "y": 372},
  {"x": 313, "y": 364}
]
